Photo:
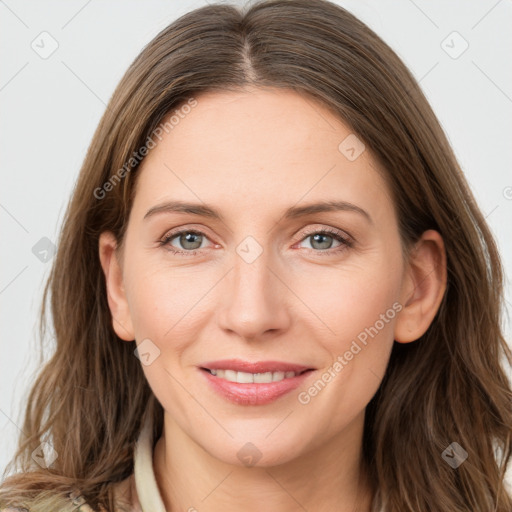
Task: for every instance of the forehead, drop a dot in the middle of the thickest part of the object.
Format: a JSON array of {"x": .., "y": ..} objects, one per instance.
[{"x": 256, "y": 148}]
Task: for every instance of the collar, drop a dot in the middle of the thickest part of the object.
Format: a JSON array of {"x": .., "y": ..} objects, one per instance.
[{"x": 148, "y": 493}]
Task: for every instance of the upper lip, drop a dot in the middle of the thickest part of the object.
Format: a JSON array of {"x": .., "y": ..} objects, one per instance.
[{"x": 239, "y": 365}]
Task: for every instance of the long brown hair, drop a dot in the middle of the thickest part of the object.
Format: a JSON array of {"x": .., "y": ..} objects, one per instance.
[{"x": 91, "y": 398}]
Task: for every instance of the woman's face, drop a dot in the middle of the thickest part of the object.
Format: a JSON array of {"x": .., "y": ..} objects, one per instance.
[{"x": 258, "y": 275}]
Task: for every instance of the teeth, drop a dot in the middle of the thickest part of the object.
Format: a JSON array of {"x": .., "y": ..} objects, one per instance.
[
  {"x": 243, "y": 377},
  {"x": 229, "y": 375},
  {"x": 248, "y": 378},
  {"x": 263, "y": 377}
]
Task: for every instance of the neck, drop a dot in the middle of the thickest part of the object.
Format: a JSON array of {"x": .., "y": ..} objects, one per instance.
[{"x": 328, "y": 477}]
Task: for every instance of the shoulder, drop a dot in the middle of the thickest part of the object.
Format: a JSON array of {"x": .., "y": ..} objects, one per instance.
[
  {"x": 79, "y": 501},
  {"x": 124, "y": 492}
]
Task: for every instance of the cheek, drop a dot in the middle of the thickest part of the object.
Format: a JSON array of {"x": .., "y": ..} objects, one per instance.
[
  {"x": 367, "y": 311},
  {"x": 357, "y": 308},
  {"x": 350, "y": 299},
  {"x": 166, "y": 308},
  {"x": 361, "y": 310},
  {"x": 165, "y": 303}
]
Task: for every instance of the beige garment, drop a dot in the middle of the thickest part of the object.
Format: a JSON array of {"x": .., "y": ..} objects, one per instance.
[
  {"x": 147, "y": 494},
  {"x": 140, "y": 489}
]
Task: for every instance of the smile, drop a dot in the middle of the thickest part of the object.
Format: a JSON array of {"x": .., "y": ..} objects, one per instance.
[
  {"x": 253, "y": 383},
  {"x": 249, "y": 378}
]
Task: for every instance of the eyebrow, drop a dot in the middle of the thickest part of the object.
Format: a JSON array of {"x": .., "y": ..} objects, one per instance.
[{"x": 204, "y": 210}]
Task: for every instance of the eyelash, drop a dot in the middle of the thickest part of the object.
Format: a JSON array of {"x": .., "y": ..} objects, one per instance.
[{"x": 345, "y": 241}]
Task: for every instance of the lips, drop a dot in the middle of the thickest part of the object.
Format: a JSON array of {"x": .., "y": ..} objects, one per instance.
[
  {"x": 253, "y": 383},
  {"x": 239, "y": 365}
]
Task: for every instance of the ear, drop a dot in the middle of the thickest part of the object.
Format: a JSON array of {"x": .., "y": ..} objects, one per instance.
[
  {"x": 121, "y": 319},
  {"x": 423, "y": 287}
]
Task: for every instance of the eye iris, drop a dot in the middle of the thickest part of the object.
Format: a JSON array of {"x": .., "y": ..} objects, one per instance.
[
  {"x": 315, "y": 239},
  {"x": 192, "y": 237},
  {"x": 189, "y": 238}
]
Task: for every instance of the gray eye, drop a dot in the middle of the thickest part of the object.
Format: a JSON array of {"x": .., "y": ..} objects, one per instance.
[
  {"x": 322, "y": 240},
  {"x": 189, "y": 240}
]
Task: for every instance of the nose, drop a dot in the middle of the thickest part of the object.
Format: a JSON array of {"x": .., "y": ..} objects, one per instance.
[{"x": 254, "y": 297}]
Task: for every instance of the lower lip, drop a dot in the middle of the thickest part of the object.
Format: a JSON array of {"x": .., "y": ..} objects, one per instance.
[{"x": 254, "y": 393}]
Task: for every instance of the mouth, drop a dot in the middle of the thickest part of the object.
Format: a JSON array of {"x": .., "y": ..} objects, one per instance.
[
  {"x": 253, "y": 383},
  {"x": 250, "y": 378}
]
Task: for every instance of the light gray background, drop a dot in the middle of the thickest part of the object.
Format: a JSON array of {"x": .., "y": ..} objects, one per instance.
[{"x": 51, "y": 106}]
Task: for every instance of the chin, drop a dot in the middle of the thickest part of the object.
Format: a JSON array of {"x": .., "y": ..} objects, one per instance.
[{"x": 258, "y": 450}]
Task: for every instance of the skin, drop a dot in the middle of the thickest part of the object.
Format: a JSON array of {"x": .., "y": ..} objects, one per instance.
[{"x": 251, "y": 155}]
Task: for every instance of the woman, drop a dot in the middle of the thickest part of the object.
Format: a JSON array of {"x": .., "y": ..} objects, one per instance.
[{"x": 273, "y": 288}]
